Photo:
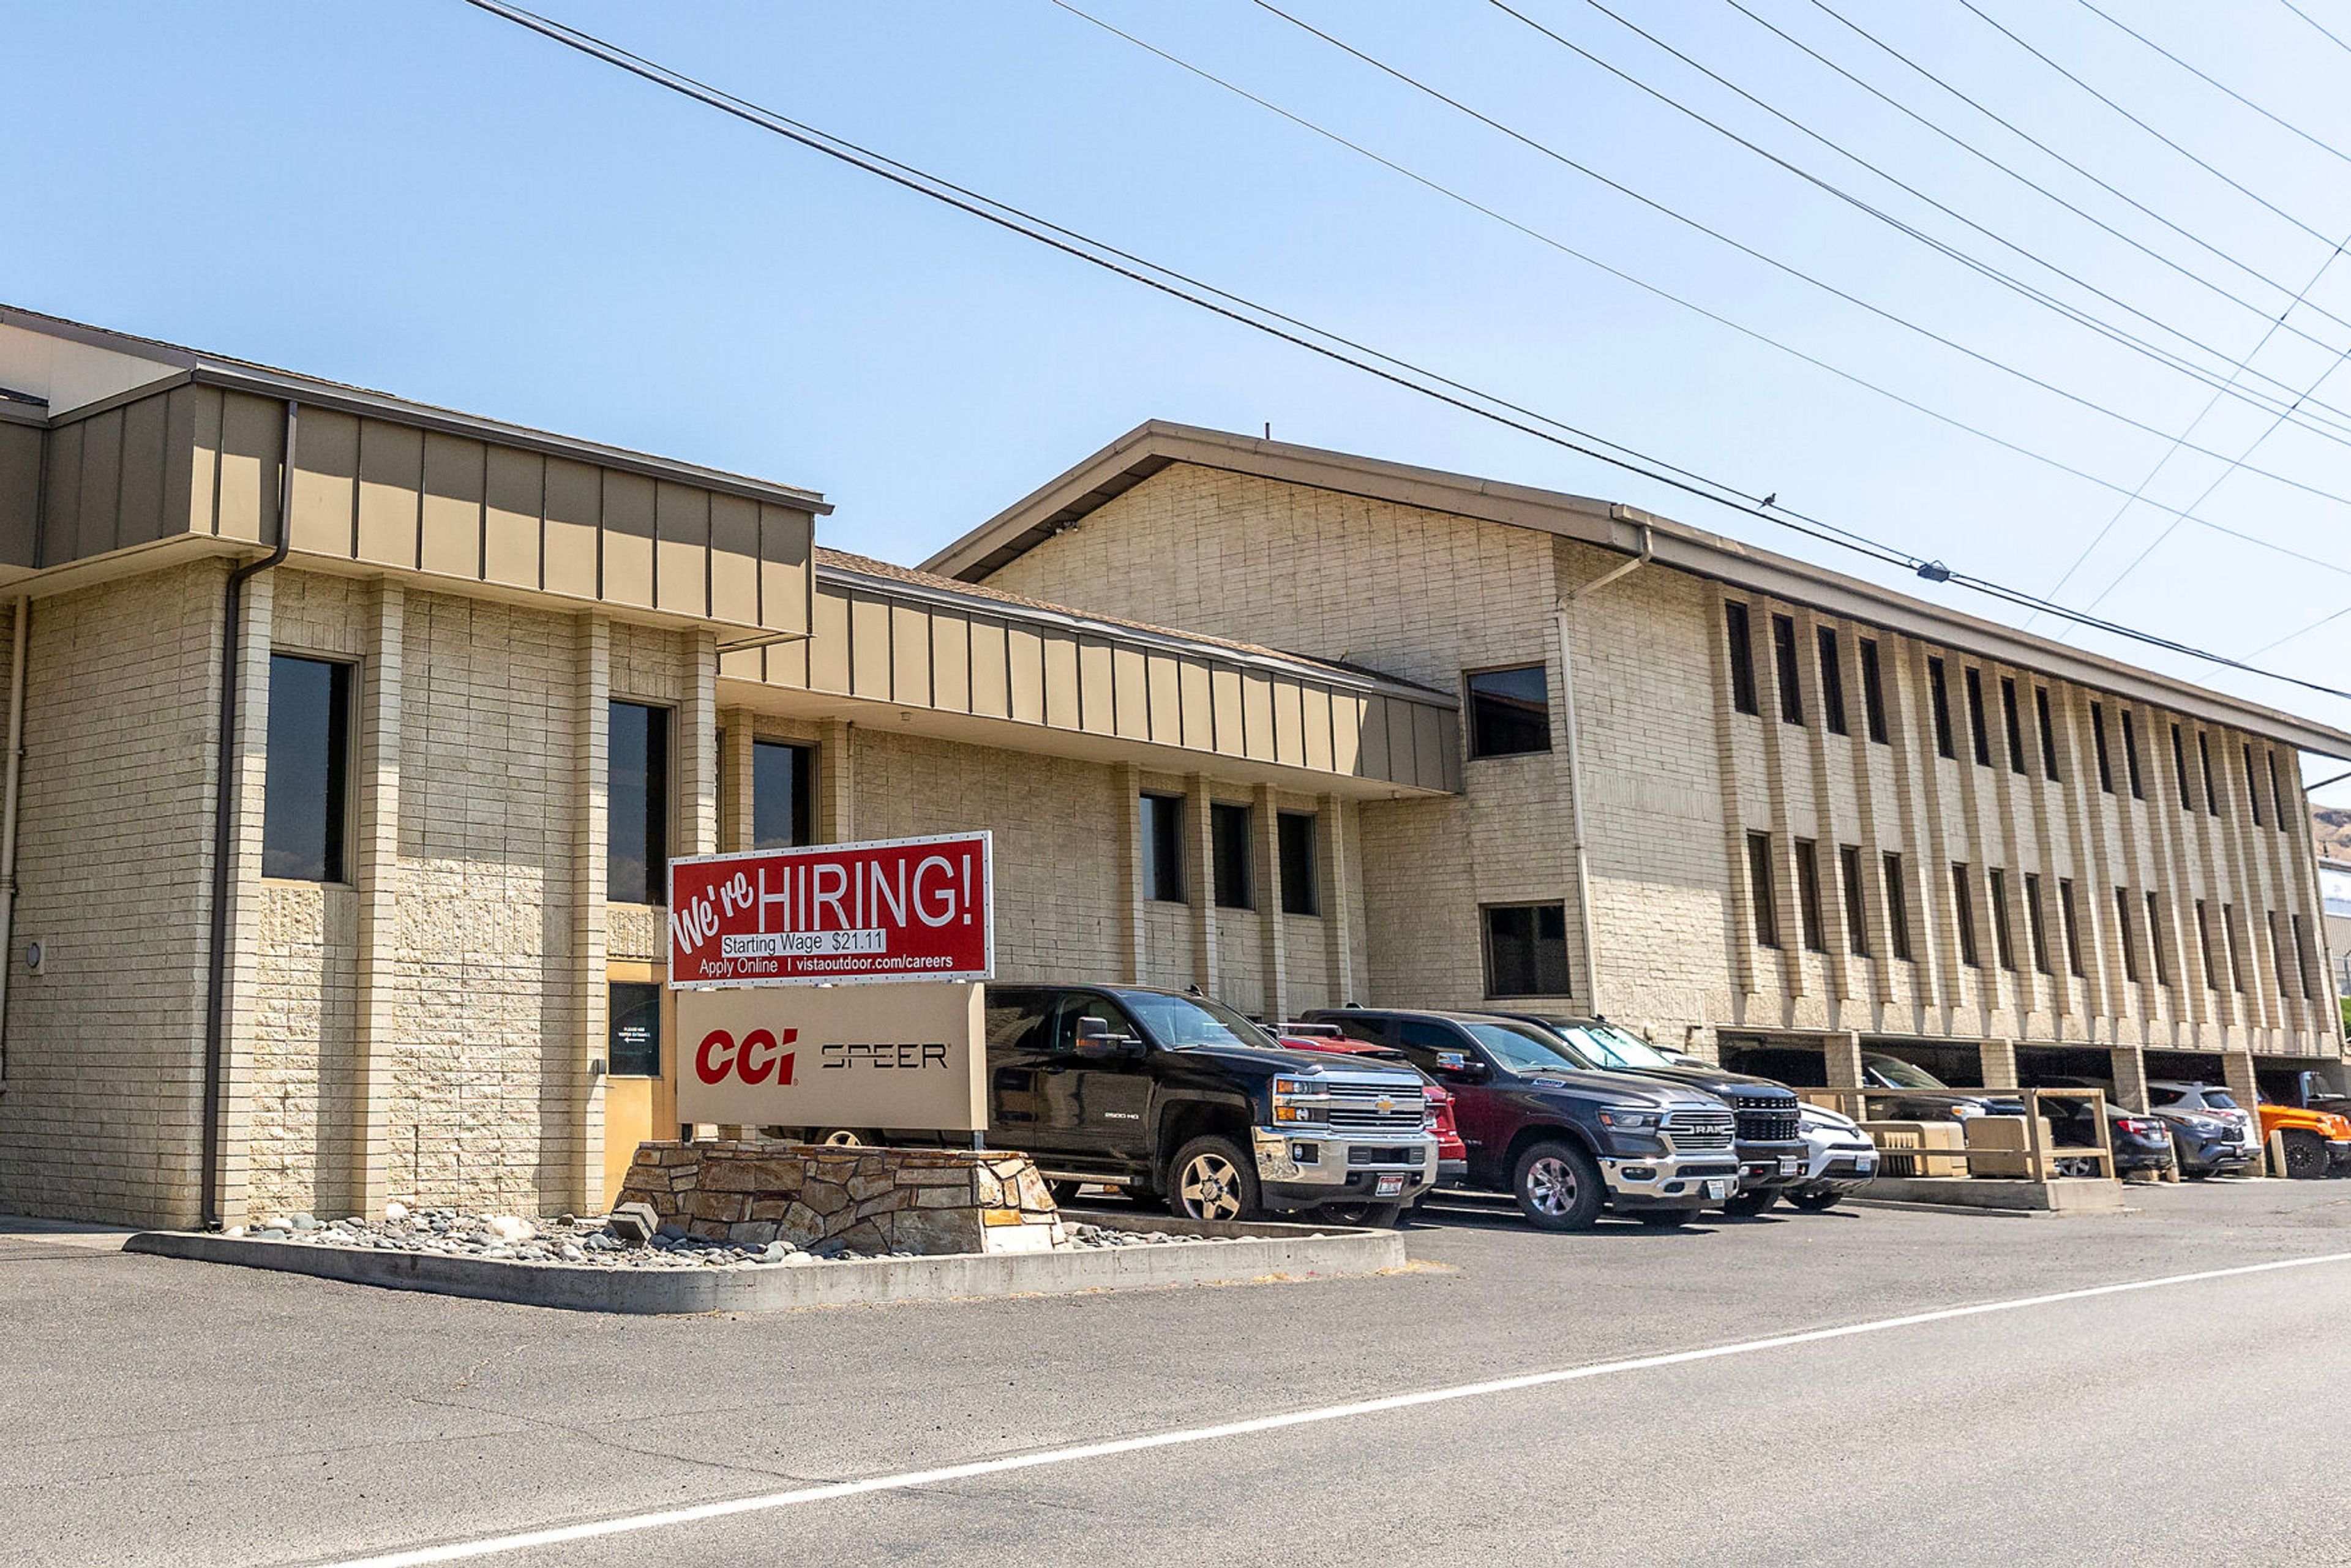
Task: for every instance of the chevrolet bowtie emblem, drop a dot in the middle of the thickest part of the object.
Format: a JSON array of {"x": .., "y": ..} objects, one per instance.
[{"x": 1386, "y": 1105}]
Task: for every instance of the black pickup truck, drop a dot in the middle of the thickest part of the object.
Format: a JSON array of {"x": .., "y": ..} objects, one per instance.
[
  {"x": 1772, "y": 1157},
  {"x": 1160, "y": 1092}
]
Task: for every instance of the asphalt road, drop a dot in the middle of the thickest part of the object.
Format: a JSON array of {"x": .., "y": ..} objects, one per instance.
[{"x": 154, "y": 1411}]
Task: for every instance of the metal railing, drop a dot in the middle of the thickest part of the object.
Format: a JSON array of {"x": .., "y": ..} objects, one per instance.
[{"x": 2040, "y": 1155}]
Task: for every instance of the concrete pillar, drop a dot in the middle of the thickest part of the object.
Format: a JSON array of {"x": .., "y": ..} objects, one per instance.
[
  {"x": 247, "y": 788},
  {"x": 1843, "y": 1049},
  {"x": 737, "y": 791},
  {"x": 698, "y": 751},
  {"x": 1128, "y": 781},
  {"x": 1201, "y": 874},
  {"x": 1264, "y": 818},
  {"x": 1338, "y": 923},
  {"x": 591, "y": 698},
  {"x": 2130, "y": 1077},
  {"x": 375, "y": 872},
  {"x": 836, "y": 795},
  {"x": 1996, "y": 1062}
]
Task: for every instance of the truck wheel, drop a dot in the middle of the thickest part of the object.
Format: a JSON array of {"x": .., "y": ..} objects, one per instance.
[
  {"x": 2305, "y": 1156},
  {"x": 1748, "y": 1204},
  {"x": 1815, "y": 1202},
  {"x": 1371, "y": 1216},
  {"x": 1558, "y": 1186},
  {"x": 847, "y": 1137},
  {"x": 1212, "y": 1178}
]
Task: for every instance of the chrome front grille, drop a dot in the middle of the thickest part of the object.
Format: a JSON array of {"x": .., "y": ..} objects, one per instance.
[
  {"x": 1355, "y": 1108},
  {"x": 1699, "y": 1131},
  {"x": 1766, "y": 1118}
]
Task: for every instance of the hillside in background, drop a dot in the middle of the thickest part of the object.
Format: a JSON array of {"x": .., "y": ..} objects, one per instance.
[{"x": 2331, "y": 826}]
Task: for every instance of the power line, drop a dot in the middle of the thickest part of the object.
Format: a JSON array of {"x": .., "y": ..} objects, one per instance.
[
  {"x": 2213, "y": 82},
  {"x": 1070, "y": 242},
  {"x": 2314, "y": 21},
  {"x": 1800, "y": 274},
  {"x": 2246, "y": 190},
  {"x": 2326, "y": 619},
  {"x": 2007, "y": 280},
  {"x": 1647, "y": 287}
]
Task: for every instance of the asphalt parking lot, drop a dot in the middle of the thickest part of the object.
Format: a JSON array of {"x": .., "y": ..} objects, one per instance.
[{"x": 166, "y": 1412}]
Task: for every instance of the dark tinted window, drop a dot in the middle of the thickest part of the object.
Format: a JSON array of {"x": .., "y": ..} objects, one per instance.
[
  {"x": 2155, "y": 940},
  {"x": 1015, "y": 1020},
  {"x": 2098, "y": 734},
  {"x": 2015, "y": 723},
  {"x": 1938, "y": 697},
  {"x": 2204, "y": 755},
  {"x": 1873, "y": 692},
  {"x": 1898, "y": 908},
  {"x": 2073, "y": 927},
  {"x": 636, "y": 1048},
  {"x": 2003, "y": 939},
  {"x": 1510, "y": 711},
  {"x": 2252, "y": 791},
  {"x": 636, "y": 863},
  {"x": 1228, "y": 844},
  {"x": 2179, "y": 770},
  {"x": 1832, "y": 683},
  {"x": 780, "y": 794},
  {"x": 1742, "y": 656},
  {"x": 1977, "y": 728},
  {"x": 1857, "y": 910},
  {"x": 1301, "y": 891},
  {"x": 1783, "y": 650},
  {"x": 1808, "y": 896},
  {"x": 2036, "y": 923},
  {"x": 1761, "y": 891},
  {"x": 309, "y": 740},
  {"x": 1963, "y": 907},
  {"x": 1163, "y": 848},
  {"x": 1526, "y": 950},
  {"x": 2048, "y": 733},
  {"x": 2204, "y": 947},
  {"x": 2130, "y": 755},
  {"x": 2122, "y": 926}
]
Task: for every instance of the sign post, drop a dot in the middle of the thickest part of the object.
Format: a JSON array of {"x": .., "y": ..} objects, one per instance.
[{"x": 836, "y": 986}]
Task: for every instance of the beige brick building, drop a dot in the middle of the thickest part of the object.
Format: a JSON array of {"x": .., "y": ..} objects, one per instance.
[{"x": 355, "y": 733}]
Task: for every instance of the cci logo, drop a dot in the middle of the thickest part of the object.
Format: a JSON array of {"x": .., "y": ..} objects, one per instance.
[{"x": 759, "y": 1058}]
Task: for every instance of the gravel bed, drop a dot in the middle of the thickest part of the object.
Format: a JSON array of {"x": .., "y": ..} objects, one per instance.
[{"x": 571, "y": 1239}]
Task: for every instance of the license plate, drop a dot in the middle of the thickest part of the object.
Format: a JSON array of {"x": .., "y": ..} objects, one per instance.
[
  {"x": 1387, "y": 1186},
  {"x": 1717, "y": 1190},
  {"x": 1865, "y": 1164},
  {"x": 1790, "y": 1165}
]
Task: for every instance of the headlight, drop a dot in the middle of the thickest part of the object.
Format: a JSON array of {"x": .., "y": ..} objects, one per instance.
[
  {"x": 1630, "y": 1120},
  {"x": 1301, "y": 1100}
]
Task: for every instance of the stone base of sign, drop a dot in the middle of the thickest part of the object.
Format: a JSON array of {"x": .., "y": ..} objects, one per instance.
[{"x": 874, "y": 1200}]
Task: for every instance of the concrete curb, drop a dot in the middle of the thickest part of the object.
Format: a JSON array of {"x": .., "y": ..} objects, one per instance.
[
  {"x": 2083, "y": 1195},
  {"x": 1296, "y": 1252}
]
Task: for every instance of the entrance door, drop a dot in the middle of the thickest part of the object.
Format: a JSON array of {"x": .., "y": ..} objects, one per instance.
[{"x": 640, "y": 1094}]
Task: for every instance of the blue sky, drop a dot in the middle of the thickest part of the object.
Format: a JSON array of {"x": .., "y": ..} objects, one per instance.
[{"x": 422, "y": 198}]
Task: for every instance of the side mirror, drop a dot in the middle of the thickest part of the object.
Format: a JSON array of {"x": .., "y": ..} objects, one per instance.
[
  {"x": 1458, "y": 1064},
  {"x": 1097, "y": 1041}
]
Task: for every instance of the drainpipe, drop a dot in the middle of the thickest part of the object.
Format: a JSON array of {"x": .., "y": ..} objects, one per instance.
[
  {"x": 15, "y": 765},
  {"x": 1576, "y": 763},
  {"x": 224, "y": 821}
]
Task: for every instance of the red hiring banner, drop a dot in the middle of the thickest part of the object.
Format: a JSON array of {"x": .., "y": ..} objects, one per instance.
[{"x": 899, "y": 909}]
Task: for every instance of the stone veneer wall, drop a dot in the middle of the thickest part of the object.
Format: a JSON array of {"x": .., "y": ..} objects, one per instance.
[{"x": 930, "y": 1201}]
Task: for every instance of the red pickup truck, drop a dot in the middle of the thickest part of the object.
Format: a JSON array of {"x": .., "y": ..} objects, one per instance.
[{"x": 1452, "y": 1153}]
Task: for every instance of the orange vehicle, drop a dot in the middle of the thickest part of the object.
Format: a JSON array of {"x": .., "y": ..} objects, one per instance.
[{"x": 2316, "y": 1142}]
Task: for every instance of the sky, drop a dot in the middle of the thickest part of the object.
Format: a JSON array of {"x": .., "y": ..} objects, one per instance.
[{"x": 424, "y": 198}]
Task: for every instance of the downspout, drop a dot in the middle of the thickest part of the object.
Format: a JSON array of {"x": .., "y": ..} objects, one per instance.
[
  {"x": 1576, "y": 763},
  {"x": 224, "y": 823},
  {"x": 15, "y": 765}
]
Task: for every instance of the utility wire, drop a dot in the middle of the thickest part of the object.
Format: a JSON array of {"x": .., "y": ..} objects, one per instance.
[
  {"x": 2246, "y": 190},
  {"x": 1908, "y": 325},
  {"x": 1647, "y": 287},
  {"x": 2331, "y": 37},
  {"x": 2327, "y": 620},
  {"x": 2213, "y": 82},
  {"x": 1069, "y": 242},
  {"x": 1997, "y": 275}
]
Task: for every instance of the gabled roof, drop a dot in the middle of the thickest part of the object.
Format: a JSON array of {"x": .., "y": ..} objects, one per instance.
[{"x": 1156, "y": 445}]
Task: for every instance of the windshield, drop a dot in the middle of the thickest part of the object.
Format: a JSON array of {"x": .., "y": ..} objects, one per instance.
[
  {"x": 2220, "y": 1100},
  {"x": 1901, "y": 1075},
  {"x": 1179, "y": 1021},
  {"x": 1521, "y": 1049},
  {"x": 1609, "y": 1046}
]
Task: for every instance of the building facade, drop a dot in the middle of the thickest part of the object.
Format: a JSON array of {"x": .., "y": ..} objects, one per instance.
[{"x": 355, "y": 735}]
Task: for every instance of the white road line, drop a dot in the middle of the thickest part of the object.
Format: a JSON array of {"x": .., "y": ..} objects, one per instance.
[{"x": 903, "y": 1480}]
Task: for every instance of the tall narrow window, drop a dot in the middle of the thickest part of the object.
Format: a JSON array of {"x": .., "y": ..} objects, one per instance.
[
  {"x": 2252, "y": 791},
  {"x": 2036, "y": 923},
  {"x": 2003, "y": 940},
  {"x": 2155, "y": 939},
  {"x": 2130, "y": 756},
  {"x": 1963, "y": 906},
  {"x": 2106, "y": 764},
  {"x": 1229, "y": 856},
  {"x": 636, "y": 860},
  {"x": 2204, "y": 755},
  {"x": 1898, "y": 908},
  {"x": 2230, "y": 935},
  {"x": 1856, "y": 905},
  {"x": 2048, "y": 733},
  {"x": 2179, "y": 770},
  {"x": 1832, "y": 683},
  {"x": 2123, "y": 924},
  {"x": 1163, "y": 848},
  {"x": 1783, "y": 652},
  {"x": 1977, "y": 729},
  {"x": 2015, "y": 722},
  {"x": 2277, "y": 795},
  {"x": 2277, "y": 955},
  {"x": 1761, "y": 891},
  {"x": 1526, "y": 950},
  {"x": 309, "y": 753},
  {"x": 1808, "y": 896},
  {"x": 1302, "y": 891},
  {"x": 1510, "y": 711},
  {"x": 1873, "y": 692},
  {"x": 780, "y": 794},
  {"x": 2304, "y": 970},
  {"x": 2204, "y": 947},
  {"x": 1742, "y": 656},
  {"x": 2066, "y": 912},
  {"x": 1938, "y": 697}
]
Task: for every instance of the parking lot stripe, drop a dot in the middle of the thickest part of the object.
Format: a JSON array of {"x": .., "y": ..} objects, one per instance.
[{"x": 560, "y": 1535}]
